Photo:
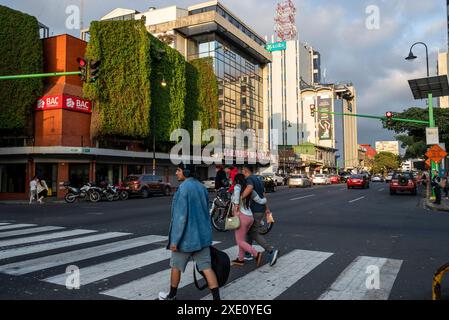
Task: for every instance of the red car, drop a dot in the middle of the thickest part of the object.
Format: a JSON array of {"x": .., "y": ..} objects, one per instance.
[
  {"x": 403, "y": 182},
  {"x": 335, "y": 179},
  {"x": 358, "y": 181}
]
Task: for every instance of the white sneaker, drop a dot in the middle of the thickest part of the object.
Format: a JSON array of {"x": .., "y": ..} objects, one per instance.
[{"x": 164, "y": 296}]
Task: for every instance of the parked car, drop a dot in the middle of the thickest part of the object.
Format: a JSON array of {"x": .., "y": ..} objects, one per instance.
[
  {"x": 144, "y": 185},
  {"x": 358, "y": 181},
  {"x": 269, "y": 183},
  {"x": 209, "y": 183},
  {"x": 345, "y": 176},
  {"x": 299, "y": 181},
  {"x": 334, "y": 179},
  {"x": 403, "y": 182},
  {"x": 277, "y": 179},
  {"x": 321, "y": 179},
  {"x": 377, "y": 178}
]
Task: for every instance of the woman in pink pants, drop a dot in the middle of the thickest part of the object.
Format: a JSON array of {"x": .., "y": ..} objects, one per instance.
[{"x": 243, "y": 211}]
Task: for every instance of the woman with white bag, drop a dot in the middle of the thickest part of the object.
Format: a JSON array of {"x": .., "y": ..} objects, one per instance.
[{"x": 241, "y": 209}]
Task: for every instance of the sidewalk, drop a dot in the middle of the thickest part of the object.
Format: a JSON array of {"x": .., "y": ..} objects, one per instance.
[
  {"x": 27, "y": 202},
  {"x": 443, "y": 207}
]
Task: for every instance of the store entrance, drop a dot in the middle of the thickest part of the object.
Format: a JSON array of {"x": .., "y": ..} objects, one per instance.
[
  {"x": 49, "y": 173},
  {"x": 79, "y": 174}
]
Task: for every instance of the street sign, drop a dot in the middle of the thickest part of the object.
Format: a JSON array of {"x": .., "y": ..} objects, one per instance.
[
  {"x": 432, "y": 136},
  {"x": 276, "y": 46},
  {"x": 436, "y": 154},
  {"x": 428, "y": 164}
]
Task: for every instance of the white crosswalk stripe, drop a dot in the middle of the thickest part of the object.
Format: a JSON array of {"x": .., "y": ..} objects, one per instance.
[
  {"x": 355, "y": 282},
  {"x": 267, "y": 283},
  {"x": 4, "y": 224},
  {"x": 148, "y": 288},
  {"x": 47, "y": 262},
  {"x": 28, "y": 231},
  {"x": 17, "y": 252},
  {"x": 16, "y": 226},
  {"x": 56, "y": 235}
]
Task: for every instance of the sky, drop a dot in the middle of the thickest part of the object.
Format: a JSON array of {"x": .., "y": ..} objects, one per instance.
[{"x": 371, "y": 58}]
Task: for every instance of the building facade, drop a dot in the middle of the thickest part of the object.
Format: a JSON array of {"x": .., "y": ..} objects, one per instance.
[{"x": 388, "y": 146}]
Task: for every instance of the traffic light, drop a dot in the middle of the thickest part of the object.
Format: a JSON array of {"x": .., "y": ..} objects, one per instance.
[
  {"x": 312, "y": 110},
  {"x": 389, "y": 115},
  {"x": 93, "y": 70},
  {"x": 82, "y": 66}
]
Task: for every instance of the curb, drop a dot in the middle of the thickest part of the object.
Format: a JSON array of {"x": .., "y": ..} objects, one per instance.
[
  {"x": 433, "y": 207},
  {"x": 28, "y": 204}
]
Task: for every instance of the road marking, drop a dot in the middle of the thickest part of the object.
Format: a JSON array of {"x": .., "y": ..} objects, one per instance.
[
  {"x": 381, "y": 189},
  {"x": 107, "y": 269},
  {"x": 4, "y": 223},
  {"x": 16, "y": 252},
  {"x": 148, "y": 288},
  {"x": 267, "y": 283},
  {"x": 353, "y": 283},
  {"x": 305, "y": 197},
  {"x": 17, "y": 226},
  {"x": 355, "y": 200},
  {"x": 50, "y": 236},
  {"x": 47, "y": 262},
  {"x": 28, "y": 231}
]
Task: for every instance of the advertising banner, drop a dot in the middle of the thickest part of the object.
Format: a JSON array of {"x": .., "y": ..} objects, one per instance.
[{"x": 325, "y": 121}]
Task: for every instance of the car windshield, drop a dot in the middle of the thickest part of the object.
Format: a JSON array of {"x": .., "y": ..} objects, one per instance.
[
  {"x": 357, "y": 176},
  {"x": 405, "y": 175},
  {"x": 297, "y": 177},
  {"x": 319, "y": 176}
]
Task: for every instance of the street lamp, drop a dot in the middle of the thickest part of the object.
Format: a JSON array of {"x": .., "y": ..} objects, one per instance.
[{"x": 411, "y": 56}]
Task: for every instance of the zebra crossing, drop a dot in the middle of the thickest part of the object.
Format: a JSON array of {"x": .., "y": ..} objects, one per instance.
[{"x": 94, "y": 250}]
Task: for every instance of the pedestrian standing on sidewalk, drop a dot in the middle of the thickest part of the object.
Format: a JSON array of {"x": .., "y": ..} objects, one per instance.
[
  {"x": 33, "y": 189},
  {"x": 42, "y": 190},
  {"x": 259, "y": 211},
  {"x": 190, "y": 235},
  {"x": 446, "y": 185},
  {"x": 436, "y": 184},
  {"x": 241, "y": 209}
]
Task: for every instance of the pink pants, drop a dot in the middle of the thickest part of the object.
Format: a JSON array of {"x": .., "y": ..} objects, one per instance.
[{"x": 240, "y": 236}]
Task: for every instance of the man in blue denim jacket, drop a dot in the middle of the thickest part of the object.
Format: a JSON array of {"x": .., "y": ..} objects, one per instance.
[{"x": 190, "y": 233}]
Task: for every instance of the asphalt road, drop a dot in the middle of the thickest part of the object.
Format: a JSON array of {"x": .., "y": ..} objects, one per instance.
[{"x": 334, "y": 244}]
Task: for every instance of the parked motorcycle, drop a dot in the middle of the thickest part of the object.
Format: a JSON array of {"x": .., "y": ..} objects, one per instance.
[{"x": 86, "y": 192}]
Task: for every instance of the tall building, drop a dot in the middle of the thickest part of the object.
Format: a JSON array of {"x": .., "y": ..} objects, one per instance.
[
  {"x": 443, "y": 65},
  {"x": 239, "y": 57}
]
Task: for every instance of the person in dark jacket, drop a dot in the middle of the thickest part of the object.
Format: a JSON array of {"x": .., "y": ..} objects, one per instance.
[
  {"x": 436, "y": 187},
  {"x": 190, "y": 235},
  {"x": 221, "y": 180}
]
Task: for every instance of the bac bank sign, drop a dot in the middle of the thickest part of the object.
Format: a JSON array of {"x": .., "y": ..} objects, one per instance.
[{"x": 64, "y": 102}]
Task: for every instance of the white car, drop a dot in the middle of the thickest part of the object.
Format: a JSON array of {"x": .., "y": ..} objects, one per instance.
[
  {"x": 277, "y": 179},
  {"x": 321, "y": 179},
  {"x": 209, "y": 183},
  {"x": 377, "y": 178}
]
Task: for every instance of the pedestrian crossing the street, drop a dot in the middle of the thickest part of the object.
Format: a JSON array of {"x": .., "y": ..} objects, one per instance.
[{"x": 43, "y": 252}]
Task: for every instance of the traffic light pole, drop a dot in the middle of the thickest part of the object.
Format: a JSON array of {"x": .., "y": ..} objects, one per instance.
[
  {"x": 376, "y": 117},
  {"x": 40, "y": 75}
]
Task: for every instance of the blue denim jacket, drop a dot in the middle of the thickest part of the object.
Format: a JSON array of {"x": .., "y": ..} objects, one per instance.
[{"x": 190, "y": 228}]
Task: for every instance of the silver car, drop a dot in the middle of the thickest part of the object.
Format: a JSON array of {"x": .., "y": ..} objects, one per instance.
[
  {"x": 210, "y": 183},
  {"x": 299, "y": 181}
]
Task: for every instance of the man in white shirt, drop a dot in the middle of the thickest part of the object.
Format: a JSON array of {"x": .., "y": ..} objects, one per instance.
[{"x": 33, "y": 189}]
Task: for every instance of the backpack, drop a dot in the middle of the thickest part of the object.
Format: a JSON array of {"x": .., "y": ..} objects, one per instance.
[{"x": 221, "y": 264}]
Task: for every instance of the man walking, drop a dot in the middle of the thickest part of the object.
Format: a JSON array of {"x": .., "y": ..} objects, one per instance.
[
  {"x": 254, "y": 183},
  {"x": 436, "y": 180},
  {"x": 190, "y": 234}
]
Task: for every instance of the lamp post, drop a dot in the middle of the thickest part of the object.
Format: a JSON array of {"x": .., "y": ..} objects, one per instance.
[
  {"x": 412, "y": 57},
  {"x": 288, "y": 124}
]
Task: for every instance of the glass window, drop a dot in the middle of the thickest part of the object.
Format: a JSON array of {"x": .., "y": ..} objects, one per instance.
[{"x": 12, "y": 178}]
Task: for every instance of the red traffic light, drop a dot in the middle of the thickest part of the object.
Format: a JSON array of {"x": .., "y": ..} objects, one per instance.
[
  {"x": 389, "y": 114},
  {"x": 81, "y": 62}
]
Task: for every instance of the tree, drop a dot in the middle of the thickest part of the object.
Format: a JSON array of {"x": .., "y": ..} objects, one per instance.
[
  {"x": 413, "y": 135},
  {"x": 385, "y": 162}
]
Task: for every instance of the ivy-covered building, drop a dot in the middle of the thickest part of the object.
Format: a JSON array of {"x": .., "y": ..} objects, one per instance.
[{"x": 236, "y": 52}]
